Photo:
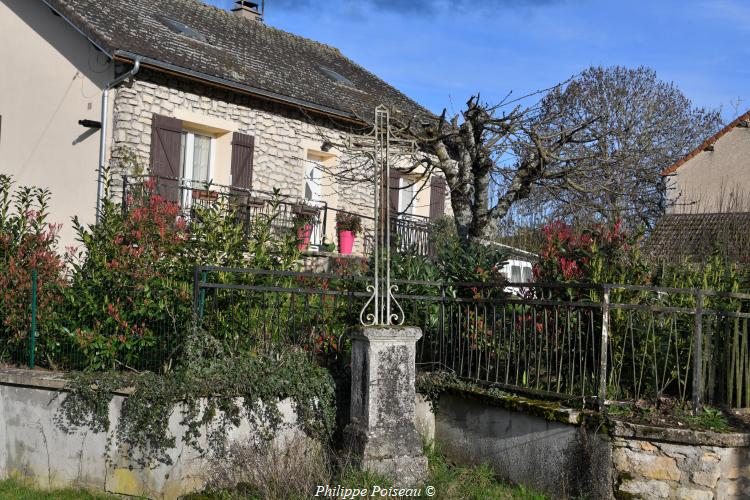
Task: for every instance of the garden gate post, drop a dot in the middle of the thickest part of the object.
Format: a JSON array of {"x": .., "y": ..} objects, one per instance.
[
  {"x": 32, "y": 332},
  {"x": 698, "y": 353},
  {"x": 605, "y": 341},
  {"x": 382, "y": 436}
]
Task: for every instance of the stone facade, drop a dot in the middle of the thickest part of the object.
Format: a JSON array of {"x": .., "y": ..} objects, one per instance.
[
  {"x": 669, "y": 463},
  {"x": 283, "y": 137}
]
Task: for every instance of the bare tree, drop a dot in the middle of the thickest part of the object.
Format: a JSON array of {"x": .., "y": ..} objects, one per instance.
[
  {"x": 493, "y": 159},
  {"x": 491, "y": 156},
  {"x": 644, "y": 125}
]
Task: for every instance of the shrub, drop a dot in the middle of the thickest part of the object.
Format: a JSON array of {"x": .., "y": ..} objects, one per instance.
[
  {"x": 130, "y": 302},
  {"x": 265, "y": 470},
  {"x": 598, "y": 254},
  {"x": 130, "y": 292},
  {"x": 27, "y": 242}
]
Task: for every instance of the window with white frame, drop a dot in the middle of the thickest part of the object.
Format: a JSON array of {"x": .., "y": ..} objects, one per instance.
[
  {"x": 406, "y": 199},
  {"x": 196, "y": 164},
  {"x": 196, "y": 159},
  {"x": 313, "y": 191}
]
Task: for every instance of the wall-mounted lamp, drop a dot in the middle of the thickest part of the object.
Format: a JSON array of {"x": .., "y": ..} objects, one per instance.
[
  {"x": 326, "y": 146},
  {"x": 90, "y": 123}
]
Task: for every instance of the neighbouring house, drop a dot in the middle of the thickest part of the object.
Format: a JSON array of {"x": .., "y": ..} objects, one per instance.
[
  {"x": 709, "y": 204},
  {"x": 210, "y": 102},
  {"x": 715, "y": 176}
]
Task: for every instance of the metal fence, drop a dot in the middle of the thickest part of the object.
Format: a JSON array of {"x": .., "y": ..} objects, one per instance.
[
  {"x": 287, "y": 213},
  {"x": 92, "y": 328},
  {"x": 596, "y": 343}
]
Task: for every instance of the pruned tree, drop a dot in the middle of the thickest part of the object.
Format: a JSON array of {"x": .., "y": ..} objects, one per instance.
[
  {"x": 643, "y": 125},
  {"x": 492, "y": 159}
]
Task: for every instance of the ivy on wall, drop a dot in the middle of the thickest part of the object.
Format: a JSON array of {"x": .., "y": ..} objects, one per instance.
[{"x": 213, "y": 393}]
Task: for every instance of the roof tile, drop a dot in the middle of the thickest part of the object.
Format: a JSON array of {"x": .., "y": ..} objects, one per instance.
[{"x": 237, "y": 49}]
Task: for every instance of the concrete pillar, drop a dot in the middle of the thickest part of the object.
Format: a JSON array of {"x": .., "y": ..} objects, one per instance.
[{"x": 381, "y": 436}]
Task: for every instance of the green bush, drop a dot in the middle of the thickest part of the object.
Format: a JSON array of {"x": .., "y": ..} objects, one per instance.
[
  {"x": 28, "y": 242},
  {"x": 130, "y": 299}
]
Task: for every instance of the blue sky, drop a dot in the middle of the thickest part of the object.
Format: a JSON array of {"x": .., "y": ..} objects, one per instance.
[{"x": 439, "y": 52}]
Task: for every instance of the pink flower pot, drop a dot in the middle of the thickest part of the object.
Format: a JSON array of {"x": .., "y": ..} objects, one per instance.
[
  {"x": 303, "y": 235},
  {"x": 346, "y": 242}
]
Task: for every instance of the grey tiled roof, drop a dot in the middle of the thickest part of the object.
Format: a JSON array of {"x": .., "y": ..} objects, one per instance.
[
  {"x": 244, "y": 52},
  {"x": 697, "y": 236}
]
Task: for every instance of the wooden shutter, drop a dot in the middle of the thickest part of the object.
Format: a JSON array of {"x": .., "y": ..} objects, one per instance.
[
  {"x": 395, "y": 177},
  {"x": 437, "y": 197},
  {"x": 166, "y": 141},
  {"x": 243, "y": 148}
]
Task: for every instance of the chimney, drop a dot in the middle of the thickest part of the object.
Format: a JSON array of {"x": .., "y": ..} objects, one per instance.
[{"x": 249, "y": 10}]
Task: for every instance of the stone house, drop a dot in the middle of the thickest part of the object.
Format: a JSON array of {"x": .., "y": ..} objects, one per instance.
[{"x": 203, "y": 98}]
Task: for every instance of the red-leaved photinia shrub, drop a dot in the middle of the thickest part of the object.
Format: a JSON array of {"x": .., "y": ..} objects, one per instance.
[
  {"x": 27, "y": 243},
  {"x": 597, "y": 254},
  {"x": 130, "y": 284}
]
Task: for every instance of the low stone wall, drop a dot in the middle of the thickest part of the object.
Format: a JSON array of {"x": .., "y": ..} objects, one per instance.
[
  {"x": 330, "y": 262},
  {"x": 555, "y": 455},
  {"x": 651, "y": 462},
  {"x": 553, "y": 451},
  {"x": 33, "y": 446}
]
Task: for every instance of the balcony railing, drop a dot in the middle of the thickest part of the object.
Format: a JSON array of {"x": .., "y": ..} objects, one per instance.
[{"x": 410, "y": 232}]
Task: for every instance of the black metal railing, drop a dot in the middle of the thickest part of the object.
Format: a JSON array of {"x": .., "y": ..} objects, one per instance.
[
  {"x": 596, "y": 343},
  {"x": 410, "y": 232},
  {"x": 244, "y": 205}
]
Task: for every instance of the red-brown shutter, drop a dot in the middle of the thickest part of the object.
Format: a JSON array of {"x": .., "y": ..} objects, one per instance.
[
  {"x": 395, "y": 177},
  {"x": 243, "y": 148},
  {"x": 166, "y": 141},
  {"x": 437, "y": 197}
]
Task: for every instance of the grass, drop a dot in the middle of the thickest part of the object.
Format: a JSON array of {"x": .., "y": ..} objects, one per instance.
[
  {"x": 450, "y": 482},
  {"x": 476, "y": 482},
  {"x": 14, "y": 489}
]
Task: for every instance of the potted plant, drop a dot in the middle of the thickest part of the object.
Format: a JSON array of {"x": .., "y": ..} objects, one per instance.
[
  {"x": 303, "y": 222},
  {"x": 347, "y": 225},
  {"x": 327, "y": 246}
]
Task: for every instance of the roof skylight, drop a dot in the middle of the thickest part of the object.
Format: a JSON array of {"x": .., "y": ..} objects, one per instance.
[
  {"x": 336, "y": 77},
  {"x": 182, "y": 28}
]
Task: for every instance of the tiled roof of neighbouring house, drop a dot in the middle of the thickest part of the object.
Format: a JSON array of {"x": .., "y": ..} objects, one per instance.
[
  {"x": 697, "y": 236},
  {"x": 190, "y": 37},
  {"x": 742, "y": 119}
]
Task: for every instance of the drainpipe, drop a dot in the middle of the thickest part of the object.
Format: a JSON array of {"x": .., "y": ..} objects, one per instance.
[{"x": 103, "y": 135}]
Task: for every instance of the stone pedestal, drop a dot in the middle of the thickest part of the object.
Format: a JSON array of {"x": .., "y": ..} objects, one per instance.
[{"x": 382, "y": 436}]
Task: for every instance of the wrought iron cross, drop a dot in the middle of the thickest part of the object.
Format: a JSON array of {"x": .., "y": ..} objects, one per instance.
[{"x": 380, "y": 308}]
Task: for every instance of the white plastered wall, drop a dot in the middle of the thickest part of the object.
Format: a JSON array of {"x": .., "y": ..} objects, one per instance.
[{"x": 51, "y": 77}]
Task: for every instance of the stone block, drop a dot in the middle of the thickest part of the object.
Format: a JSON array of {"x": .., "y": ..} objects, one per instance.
[
  {"x": 710, "y": 456},
  {"x": 646, "y": 489},
  {"x": 678, "y": 451},
  {"x": 734, "y": 471},
  {"x": 708, "y": 479},
  {"x": 646, "y": 446},
  {"x": 620, "y": 459},
  {"x": 382, "y": 436},
  {"x": 693, "y": 494},
  {"x": 653, "y": 467}
]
